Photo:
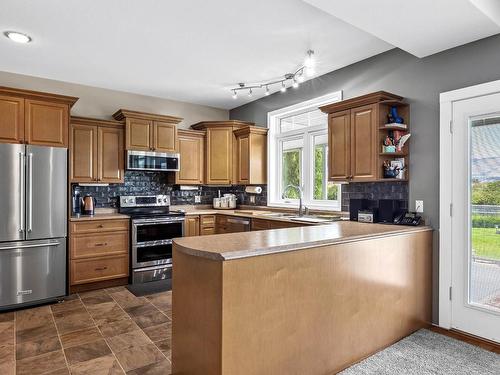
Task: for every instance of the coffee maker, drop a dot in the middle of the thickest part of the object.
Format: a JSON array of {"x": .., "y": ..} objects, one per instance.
[{"x": 76, "y": 203}]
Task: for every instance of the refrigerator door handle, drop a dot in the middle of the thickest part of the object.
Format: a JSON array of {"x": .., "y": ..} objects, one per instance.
[
  {"x": 21, "y": 192},
  {"x": 30, "y": 192},
  {"x": 30, "y": 246}
]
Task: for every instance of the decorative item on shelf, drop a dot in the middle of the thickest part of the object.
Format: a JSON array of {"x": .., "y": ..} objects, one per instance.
[
  {"x": 295, "y": 78},
  {"x": 392, "y": 170},
  {"x": 399, "y": 163},
  {"x": 395, "y": 141},
  {"x": 393, "y": 116}
]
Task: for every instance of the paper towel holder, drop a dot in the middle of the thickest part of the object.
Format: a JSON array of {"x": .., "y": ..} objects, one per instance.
[{"x": 253, "y": 190}]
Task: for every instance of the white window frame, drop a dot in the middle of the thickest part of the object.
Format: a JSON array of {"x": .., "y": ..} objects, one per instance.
[{"x": 274, "y": 197}]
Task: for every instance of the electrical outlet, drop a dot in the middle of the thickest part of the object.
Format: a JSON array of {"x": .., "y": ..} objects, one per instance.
[
  {"x": 419, "y": 206},
  {"x": 197, "y": 199},
  {"x": 252, "y": 199}
]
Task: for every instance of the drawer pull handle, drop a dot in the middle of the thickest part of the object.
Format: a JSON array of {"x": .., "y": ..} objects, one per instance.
[
  {"x": 100, "y": 226},
  {"x": 100, "y": 244},
  {"x": 101, "y": 268}
]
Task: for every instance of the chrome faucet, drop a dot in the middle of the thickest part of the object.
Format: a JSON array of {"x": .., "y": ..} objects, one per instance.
[{"x": 301, "y": 195}]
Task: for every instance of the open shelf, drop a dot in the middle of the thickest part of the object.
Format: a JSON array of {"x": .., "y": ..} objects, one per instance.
[
  {"x": 398, "y": 154},
  {"x": 394, "y": 128}
]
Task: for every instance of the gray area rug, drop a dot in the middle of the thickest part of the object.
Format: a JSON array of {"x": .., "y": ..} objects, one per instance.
[{"x": 426, "y": 352}]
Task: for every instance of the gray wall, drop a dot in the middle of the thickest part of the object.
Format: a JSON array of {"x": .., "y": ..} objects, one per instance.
[
  {"x": 102, "y": 103},
  {"x": 418, "y": 80}
]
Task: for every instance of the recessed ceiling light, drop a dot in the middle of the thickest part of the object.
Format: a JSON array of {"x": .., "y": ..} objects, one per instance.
[{"x": 17, "y": 37}]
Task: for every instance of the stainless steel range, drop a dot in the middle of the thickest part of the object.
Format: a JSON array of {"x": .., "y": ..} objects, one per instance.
[{"x": 153, "y": 226}]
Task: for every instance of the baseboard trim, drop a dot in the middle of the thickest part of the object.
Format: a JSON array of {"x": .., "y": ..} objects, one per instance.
[{"x": 489, "y": 345}]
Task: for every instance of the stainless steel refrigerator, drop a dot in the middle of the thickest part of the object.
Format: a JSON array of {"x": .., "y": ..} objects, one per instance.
[{"x": 33, "y": 213}]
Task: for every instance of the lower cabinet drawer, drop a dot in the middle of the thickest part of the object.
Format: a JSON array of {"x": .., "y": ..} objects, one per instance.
[
  {"x": 99, "y": 269},
  {"x": 208, "y": 220},
  {"x": 99, "y": 244},
  {"x": 93, "y": 226},
  {"x": 205, "y": 231}
]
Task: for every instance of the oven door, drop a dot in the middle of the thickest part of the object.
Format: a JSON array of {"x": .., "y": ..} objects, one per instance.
[
  {"x": 152, "y": 240},
  {"x": 152, "y": 161}
]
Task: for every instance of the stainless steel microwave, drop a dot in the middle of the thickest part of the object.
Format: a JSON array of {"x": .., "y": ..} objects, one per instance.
[{"x": 153, "y": 161}]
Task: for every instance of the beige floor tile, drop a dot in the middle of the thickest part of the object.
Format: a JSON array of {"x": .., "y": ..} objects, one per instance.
[
  {"x": 7, "y": 333},
  {"x": 146, "y": 308},
  {"x": 150, "y": 319},
  {"x": 41, "y": 364},
  {"x": 159, "y": 368},
  {"x": 73, "y": 322},
  {"x": 65, "y": 306},
  {"x": 166, "y": 347},
  {"x": 159, "y": 332},
  {"x": 86, "y": 352},
  {"x": 139, "y": 356},
  {"x": 106, "y": 365},
  {"x": 6, "y": 317},
  {"x": 117, "y": 328},
  {"x": 96, "y": 300},
  {"x": 93, "y": 293},
  {"x": 106, "y": 312},
  {"x": 36, "y": 333},
  {"x": 80, "y": 337},
  {"x": 37, "y": 347},
  {"x": 127, "y": 340}
]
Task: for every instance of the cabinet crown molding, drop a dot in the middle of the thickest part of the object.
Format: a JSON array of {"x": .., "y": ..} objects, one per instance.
[
  {"x": 251, "y": 130},
  {"x": 215, "y": 124},
  {"x": 37, "y": 95},
  {"x": 359, "y": 101},
  {"x": 122, "y": 114},
  {"x": 95, "y": 121},
  {"x": 192, "y": 133}
]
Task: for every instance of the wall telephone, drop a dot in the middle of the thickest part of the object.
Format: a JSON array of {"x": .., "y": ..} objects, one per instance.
[{"x": 407, "y": 218}]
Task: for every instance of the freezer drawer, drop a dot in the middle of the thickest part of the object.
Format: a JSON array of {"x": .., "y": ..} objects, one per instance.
[{"x": 32, "y": 271}]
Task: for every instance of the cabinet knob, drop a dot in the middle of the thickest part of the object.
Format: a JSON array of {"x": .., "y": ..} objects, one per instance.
[{"x": 100, "y": 226}]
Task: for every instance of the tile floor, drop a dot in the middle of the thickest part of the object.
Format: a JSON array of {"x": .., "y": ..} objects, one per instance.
[{"x": 107, "y": 331}]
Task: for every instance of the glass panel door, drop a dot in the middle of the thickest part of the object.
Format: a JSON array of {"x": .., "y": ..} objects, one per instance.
[
  {"x": 484, "y": 246},
  {"x": 475, "y": 219}
]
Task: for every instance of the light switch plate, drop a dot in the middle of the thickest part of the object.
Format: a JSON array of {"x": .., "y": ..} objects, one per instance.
[
  {"x": 197, "y": 199},
  {"x": 419, "y": 206}
]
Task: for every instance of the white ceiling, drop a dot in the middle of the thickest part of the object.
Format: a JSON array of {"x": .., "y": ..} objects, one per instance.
[
  {"x": 196, "y": 50},
  {"x": 188, "y": 50},
  {"x": 420, "y": 27}
]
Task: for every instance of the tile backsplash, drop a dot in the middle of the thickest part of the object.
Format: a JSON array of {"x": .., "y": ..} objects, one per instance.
[{"x": 154, "y": 183}]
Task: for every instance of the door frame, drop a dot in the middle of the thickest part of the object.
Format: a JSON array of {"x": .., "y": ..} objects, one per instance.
[{"x": 447, "y": 100}]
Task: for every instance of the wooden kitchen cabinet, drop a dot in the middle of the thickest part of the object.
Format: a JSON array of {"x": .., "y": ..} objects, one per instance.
[
  {"x": 96, "y": 151},
  {"x": 354, "y": 143},
  {"x": 251, "y": 155},
  {"x": 207, "y": 225},
  {"x": 11, "y": 119},
  {"x": 220, "y": 157},
  {"x": 149, "y": 132},
  {"x": 98, "y": 253},
  {"x": 191, "y": 147},
  {"x": 192, "y": 226},
  {"x": 34, "y": 117}
]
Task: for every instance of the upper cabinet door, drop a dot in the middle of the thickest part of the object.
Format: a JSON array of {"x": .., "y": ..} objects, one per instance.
[
  {"x": 83, "y": 153},
  {"x": 46, "y": 124},
  {"x": 364, "y": 132},
  {"x": 243, "y": 154},
  {"x": 339, "y": 150},
  {"x": 11, "y": 119},
  {"x": 139, "y": 135},
  {"x": 191, "y": 150},
  {"x": 110, "y": 155},
  {"x": 165, "y": 135},
  {"x": 219, "y": 155}
]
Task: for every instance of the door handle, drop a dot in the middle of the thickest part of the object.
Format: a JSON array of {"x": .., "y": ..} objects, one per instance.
[
  {"x": 30, "y": 192},
  {"x": 21, "y": 192},
  {"x": 51, "y": 244}
]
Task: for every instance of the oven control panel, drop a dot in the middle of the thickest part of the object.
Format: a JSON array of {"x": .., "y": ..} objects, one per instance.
[{"x": 145, "y": 201}]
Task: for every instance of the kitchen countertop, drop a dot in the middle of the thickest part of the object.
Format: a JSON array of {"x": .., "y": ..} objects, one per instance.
[
  {"x": 229, "y": 246},
  {"x": 100, "y": 216}
]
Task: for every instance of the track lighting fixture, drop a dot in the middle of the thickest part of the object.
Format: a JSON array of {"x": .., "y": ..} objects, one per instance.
[{"x": 298, "y": 76}]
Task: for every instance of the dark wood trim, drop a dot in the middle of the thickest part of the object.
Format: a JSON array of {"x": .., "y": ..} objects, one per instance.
[
  {"x": 36, "y": 95},
  {"x": 359, "y": 101},
  {"x": 468, "y": 338},
  {"x": 122, "y": 114}
]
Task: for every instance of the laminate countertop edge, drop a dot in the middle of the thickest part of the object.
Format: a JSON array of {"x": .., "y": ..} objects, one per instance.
[{"x": 188, "y": 245}]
